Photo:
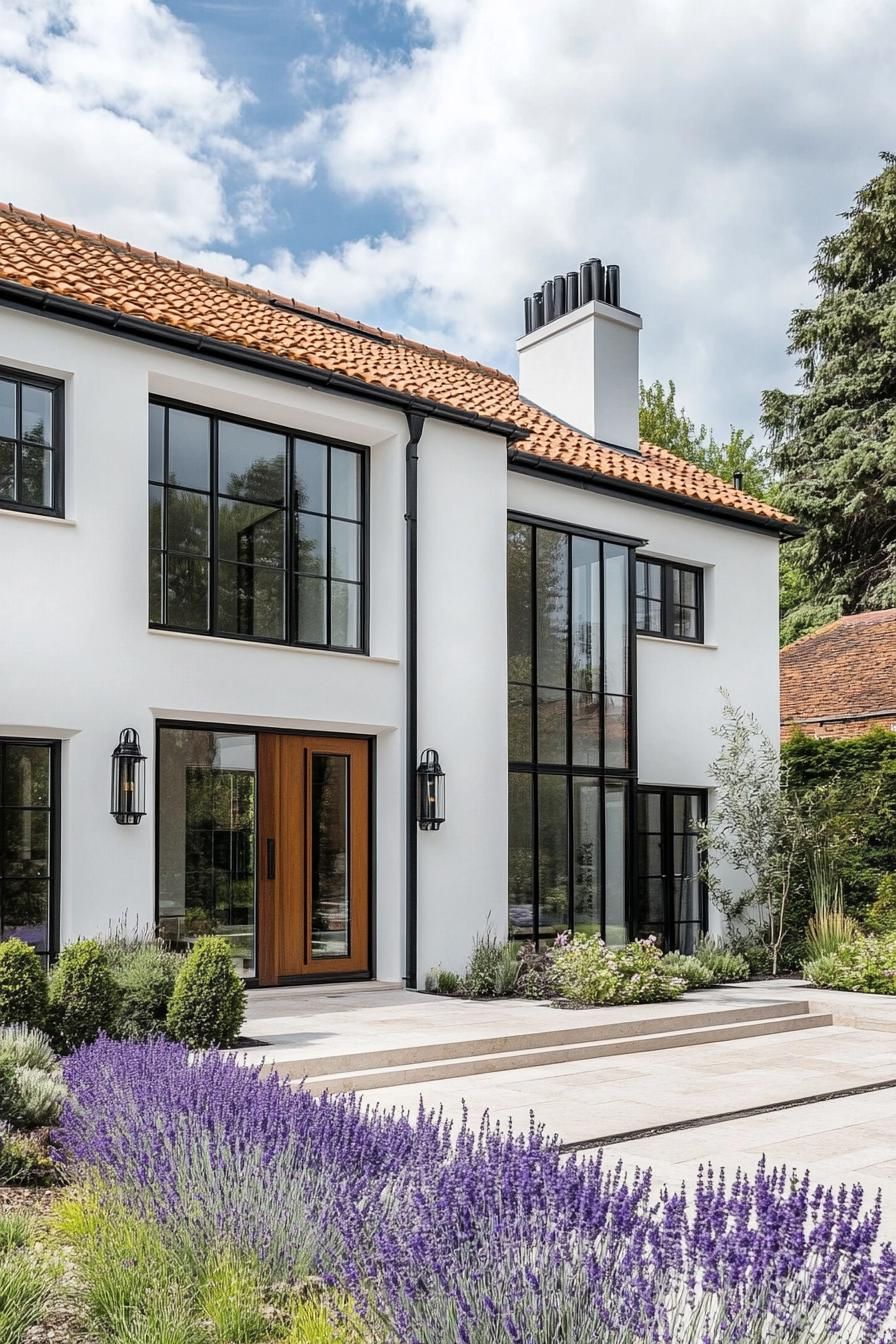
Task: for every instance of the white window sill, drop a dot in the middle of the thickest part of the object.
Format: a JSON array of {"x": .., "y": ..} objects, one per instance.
[
  {"x": 361, "y": 658},
  {"x": 37, "y": 517},
  {"x": 676, "y": 643}
]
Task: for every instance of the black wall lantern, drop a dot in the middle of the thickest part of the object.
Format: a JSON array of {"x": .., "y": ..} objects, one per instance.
[
  {"x": 128, "y": 779},
  {"x": 430, "y": 791}
]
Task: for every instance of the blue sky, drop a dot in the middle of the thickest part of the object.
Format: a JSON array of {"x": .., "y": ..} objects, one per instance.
[
  {"x": 422, "y": 164},
  {"x": 263, "y": 43}
]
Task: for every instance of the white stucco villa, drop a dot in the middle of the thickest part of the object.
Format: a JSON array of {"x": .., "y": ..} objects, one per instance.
[{"x": 293, "y": 553}]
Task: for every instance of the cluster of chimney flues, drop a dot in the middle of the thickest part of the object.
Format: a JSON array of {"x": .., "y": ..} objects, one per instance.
[{"x": 561, "y": 295}]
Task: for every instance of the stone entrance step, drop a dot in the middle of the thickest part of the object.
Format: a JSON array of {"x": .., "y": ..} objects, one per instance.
[{"x": 371, "y": 1069}]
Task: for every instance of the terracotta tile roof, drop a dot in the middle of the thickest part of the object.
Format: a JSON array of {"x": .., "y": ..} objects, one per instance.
[
  {"x": 67, "y": 262},
  {"x": 845, "y": 670}
]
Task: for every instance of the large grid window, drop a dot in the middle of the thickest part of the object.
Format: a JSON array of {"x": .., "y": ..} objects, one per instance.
[
  {"x": 255, "y": 533},
  {"x": 669, "y": 600},
  {"x": 570, "y": 722},
  {"x": 29, "y": 811},
  {"x": 31, "y": 449}
]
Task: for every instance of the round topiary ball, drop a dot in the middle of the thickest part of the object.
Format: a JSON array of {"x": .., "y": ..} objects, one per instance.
[
  {"x": 23, "y": 985},
  {"x": 209, "y": 1000}
]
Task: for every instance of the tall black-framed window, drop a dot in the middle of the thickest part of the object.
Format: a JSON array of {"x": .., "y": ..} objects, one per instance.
[
  {"x": 29, "y": 842},
  {"x": 571, "y": 730},
  {"x": 32, "y": 451},
  {"x": 669, "y": 600},
  {"x": 672, "y": 897},
  {"x": 255, "y": 532}
]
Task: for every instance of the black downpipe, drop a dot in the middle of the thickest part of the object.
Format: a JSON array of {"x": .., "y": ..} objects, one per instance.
[{"x": 416, "y": 422}]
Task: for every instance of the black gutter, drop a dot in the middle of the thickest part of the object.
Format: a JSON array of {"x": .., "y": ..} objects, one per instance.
[
  {"x": 255, "y": 361},
  {"x": 416, "y": 422},
  {"x": 530, "y": 465}
]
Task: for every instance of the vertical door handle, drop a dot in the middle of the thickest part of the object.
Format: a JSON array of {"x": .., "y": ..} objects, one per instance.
[{"x": 272, "y": 860}]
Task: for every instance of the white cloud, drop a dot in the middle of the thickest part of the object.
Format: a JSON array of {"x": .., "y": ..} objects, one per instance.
[
  {"x": 704, "y": 147},
  {"x": 111, "y": 116}
]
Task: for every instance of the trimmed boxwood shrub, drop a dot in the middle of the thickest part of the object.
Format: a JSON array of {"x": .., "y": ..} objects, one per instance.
[
  {"x": 23, "y": 985},
  {"x": 145, "y": 977},
  {"x": 83, "y": 996},
  {"x": 209, "y": 1000}
]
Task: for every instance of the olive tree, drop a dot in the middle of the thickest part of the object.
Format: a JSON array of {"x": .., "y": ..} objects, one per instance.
[{"x": 759, "y": 826}]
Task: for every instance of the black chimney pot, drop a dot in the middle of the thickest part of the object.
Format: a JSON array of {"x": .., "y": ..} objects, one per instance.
[{"x": 592, "y": 282}]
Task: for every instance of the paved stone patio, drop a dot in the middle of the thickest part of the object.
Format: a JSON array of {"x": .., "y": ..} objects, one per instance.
[{"x": 845, "y": 1140}]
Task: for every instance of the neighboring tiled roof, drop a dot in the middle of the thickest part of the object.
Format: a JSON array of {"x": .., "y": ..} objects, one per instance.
[
  {"x": 67, "y": 262},
  {"x": 845, "y": 670}
]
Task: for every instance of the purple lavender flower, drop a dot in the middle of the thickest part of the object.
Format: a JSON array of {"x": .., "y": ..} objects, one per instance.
[{"x": 474, "y": 1237}]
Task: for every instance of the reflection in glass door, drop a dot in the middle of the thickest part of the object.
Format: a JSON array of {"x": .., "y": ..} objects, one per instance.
[
  {"x": 206, "y": 849},
  {"x": 671, "y": 895}
]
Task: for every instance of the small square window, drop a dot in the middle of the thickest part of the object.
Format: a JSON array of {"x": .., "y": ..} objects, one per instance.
[
  {"x": 669, "y": 600},
  {"x": 31, "y": 443}
]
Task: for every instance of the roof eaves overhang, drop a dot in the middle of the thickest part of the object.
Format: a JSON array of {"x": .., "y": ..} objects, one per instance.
[
  {"x": 586, "y": 479},
  {"x": 211, "y": 348}
]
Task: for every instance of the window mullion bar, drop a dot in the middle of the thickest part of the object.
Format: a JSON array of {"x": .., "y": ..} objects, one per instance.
[
  {"x": 17, "y": 462},
  {"x": 570, "y": 863},
  {"x": 289, "y": 541},
  {"x": 328, "y": 591},
  {"x": 212, "y": 586}
]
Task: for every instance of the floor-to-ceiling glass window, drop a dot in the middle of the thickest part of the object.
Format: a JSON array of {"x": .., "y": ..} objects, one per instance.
[
  {"x": 571, "y": 742},
  {"x": 672, "y": 901},
  {"x": 29, "y": 830},
  {"x": 206, "y": 851}
]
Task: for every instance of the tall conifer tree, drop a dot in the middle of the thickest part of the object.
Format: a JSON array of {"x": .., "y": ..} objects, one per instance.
[{"x": 834, "y": 440}]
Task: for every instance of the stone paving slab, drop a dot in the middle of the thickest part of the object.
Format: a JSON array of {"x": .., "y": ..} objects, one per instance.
[
  {"x": 319, "y": 1022},
  {"x": 851, "y": 1141},
  {"x": 590, "y": 1099}
]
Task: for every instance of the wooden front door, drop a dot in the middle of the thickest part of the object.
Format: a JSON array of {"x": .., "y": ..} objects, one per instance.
[{"x": 314, "y": 856}]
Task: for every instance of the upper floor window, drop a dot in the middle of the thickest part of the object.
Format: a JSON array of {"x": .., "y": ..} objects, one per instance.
[
  {"x": 669, "y": 600},
  {"x": 255, "y": 533},
  {"x": 31, "y": 451}
]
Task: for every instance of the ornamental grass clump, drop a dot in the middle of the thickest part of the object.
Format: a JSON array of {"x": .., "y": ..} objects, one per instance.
[
  {"x": 586, "y": 971},
  {"x": 478, "y": 1237}
]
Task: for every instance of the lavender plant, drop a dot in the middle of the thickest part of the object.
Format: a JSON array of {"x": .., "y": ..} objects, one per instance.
[{"x": 478, "y": 1237}]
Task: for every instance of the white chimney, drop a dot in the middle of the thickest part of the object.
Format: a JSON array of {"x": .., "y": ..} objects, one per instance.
[{"x": 579, "y": 357}]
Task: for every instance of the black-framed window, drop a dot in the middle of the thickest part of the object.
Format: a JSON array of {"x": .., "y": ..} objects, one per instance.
[
  {"x": 29, "y": 842},
  {"x": 571, "y": 730},
  {"x": 32, "y": 456},
  {"x": 255, "y": 532},
  {"x": 672, "y": 897},
  {"x": 669, "y": 600}
]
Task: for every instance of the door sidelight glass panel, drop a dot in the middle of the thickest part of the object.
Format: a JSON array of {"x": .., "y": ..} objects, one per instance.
[
  {"x": 207, "y": 803},
  {"x": 329, "y": 851}
]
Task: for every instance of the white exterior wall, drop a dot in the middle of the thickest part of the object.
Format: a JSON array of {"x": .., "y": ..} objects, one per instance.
[
  {"x": 679, "y": 683},
  {"x": 462, "y": 629},
  {"x": 78, "y": 662}
]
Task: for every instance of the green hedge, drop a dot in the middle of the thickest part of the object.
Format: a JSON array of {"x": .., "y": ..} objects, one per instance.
[{"x": 862, "y": 771}]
